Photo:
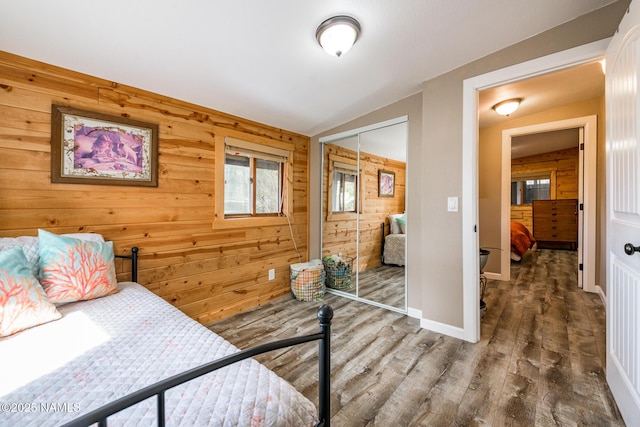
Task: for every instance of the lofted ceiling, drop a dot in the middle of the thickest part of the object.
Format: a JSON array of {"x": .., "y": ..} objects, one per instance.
[{"x": 260, "y": 60}]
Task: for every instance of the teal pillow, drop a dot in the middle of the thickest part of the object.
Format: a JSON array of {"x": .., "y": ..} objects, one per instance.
[
  {"x": 75, "y": 270},
  {"x": 402, "y": 223},
  {"x": 23, "y": 302}
]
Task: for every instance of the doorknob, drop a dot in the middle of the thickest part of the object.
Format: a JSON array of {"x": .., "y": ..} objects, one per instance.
[{"x": 629, "y": 249}]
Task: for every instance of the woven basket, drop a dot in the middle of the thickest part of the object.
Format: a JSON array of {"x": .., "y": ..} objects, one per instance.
[
  {"x": 308, "y": 281},
  {"x": 339, "y": 274}
]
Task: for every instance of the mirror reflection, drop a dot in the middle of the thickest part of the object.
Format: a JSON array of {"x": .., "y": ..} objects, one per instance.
[{"x": 364, "y": 221}]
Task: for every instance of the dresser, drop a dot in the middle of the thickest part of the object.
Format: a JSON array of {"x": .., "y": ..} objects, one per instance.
[{"x": 555, "y": 223}]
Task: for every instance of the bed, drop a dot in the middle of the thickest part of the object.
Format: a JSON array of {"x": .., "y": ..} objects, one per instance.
[
  {"x": 521, "y": 240},
  {"x": 394, "y": 243},
  {"x": 105, "y": 354}
]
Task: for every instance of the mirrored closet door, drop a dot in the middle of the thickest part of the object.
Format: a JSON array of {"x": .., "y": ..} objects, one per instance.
[{"x": 364, "y": 224}]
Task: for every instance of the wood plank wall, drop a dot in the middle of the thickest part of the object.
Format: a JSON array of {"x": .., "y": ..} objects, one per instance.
[
  {"x": 339, "y": 235},
  {"x": 565, "y": 165},
  {"x": 208, "y": 274}
]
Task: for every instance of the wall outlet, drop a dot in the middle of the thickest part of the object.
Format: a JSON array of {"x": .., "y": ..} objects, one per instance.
[{"x": 272, "y": 274}]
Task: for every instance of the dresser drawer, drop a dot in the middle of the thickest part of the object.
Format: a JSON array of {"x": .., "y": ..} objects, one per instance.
[{"x": 559, "y": 233}]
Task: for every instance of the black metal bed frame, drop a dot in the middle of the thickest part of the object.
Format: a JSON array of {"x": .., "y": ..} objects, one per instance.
[
  {"x": 325, "y": 315},
  {"x": 382, "y": 244}
]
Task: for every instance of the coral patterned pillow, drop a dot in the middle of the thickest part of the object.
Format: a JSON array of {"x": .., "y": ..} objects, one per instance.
[
  {"x": 23, "y": 303},
  {"x": 75, "y": 270}
]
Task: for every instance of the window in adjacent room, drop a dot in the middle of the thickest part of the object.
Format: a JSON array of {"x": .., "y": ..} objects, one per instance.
[
  {"x": 255, "y": 182},
  {"x": 527, "y": 188}
]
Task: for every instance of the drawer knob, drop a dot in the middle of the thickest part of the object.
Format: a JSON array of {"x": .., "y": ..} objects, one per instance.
[{"x": 629, "y": 249}]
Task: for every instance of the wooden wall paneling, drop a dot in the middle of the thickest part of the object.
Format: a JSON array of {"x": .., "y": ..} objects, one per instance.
[
  {"x": 207, "y": 273},
  {"x": 563, "y": 164},
  {"x": 339, "y": 235}
]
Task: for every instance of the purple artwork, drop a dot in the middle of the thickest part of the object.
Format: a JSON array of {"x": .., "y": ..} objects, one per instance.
[{"x": 106, "y": 150}]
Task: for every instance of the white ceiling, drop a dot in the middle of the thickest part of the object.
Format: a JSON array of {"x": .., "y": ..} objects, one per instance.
[
  {"x": 388, "y": 141},
  {"x": 545, "y": 142},
  {"x": 540, "y": 94},
  {"x": 259, "y": 59}
]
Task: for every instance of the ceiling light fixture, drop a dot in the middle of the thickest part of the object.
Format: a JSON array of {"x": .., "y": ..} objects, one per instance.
[
  {"x": 507, "y": 107},
  {"x": 337, "y": 35}
]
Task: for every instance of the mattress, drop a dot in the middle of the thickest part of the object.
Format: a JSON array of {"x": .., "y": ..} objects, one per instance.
[
  {"x": 106, "y": 348},
  {"x": 394, "y": 249}
]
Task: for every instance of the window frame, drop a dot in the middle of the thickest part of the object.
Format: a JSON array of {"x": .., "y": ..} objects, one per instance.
[
  {"x": 343, "y": 163},
  {"x": 543, "y": 174},
  {"x": 259, "y": 145}
]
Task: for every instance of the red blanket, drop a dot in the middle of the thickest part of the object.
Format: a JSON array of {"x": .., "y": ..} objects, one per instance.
[{"x": 521, "y": 238}]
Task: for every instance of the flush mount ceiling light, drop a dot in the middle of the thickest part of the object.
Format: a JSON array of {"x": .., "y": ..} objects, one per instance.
[
  {"x": 507, "y": 107},
  {"x": 336, "y": 35}
]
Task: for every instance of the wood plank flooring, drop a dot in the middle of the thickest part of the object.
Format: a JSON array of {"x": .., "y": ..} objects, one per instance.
[
  {"x": 383, "y": 284},
  {"x": 540, "y": 361}
]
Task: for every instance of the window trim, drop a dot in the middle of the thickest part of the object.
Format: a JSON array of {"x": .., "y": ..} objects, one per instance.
[{"x": 261, "y": 145}]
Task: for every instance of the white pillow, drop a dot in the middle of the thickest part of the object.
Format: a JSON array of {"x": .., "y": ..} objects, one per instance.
[
  {"x": 29, "y": 245},
  {"x": 89, "y": 237},
  {"x": 394, "y": 227}
]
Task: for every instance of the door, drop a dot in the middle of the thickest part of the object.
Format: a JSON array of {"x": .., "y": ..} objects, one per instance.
[
  {"x": 580, "y": 212},
  {"x": 623, "y": 216},
  {"x": 355, "y": 212}
]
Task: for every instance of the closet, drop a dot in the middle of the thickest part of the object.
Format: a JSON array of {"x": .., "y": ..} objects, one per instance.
[{"x": 363, "y": 184}]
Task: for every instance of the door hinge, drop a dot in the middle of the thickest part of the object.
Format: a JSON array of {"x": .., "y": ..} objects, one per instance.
[
  {"x": 580, "y": 267},
  {"x": 582, "y": 146},
  {"x": 581, "y": 206},
  {"x": 475, "y": 228}
]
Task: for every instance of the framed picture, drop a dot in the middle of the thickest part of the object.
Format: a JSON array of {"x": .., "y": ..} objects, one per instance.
[
  {"x": 95, "y": 148},
  {"x": 386, "y": 183}
]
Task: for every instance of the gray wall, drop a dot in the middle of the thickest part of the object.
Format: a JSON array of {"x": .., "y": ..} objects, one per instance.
[{"x": 435, "y": 163}]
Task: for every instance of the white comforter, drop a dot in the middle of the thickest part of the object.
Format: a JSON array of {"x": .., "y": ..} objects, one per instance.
[
  {"x": 394, "y": 249},
  {"x": 106, "y": 348}
]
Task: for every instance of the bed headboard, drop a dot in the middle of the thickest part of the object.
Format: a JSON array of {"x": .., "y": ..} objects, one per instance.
[{"x": 134, "y": 262}]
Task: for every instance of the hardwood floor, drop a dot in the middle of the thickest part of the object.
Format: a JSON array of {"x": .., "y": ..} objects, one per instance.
[
  {"x": 540, "y": 361},
  {"x": 383, "y": 284}
]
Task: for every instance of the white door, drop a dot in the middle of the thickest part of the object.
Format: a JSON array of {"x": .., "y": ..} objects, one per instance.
[
  {"x": 580, "y": 212},
  {"x": 623, "y": 215}
]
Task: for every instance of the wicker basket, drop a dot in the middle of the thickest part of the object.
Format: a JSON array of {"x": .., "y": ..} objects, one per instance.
[
  {"x": 339, "y": 271},
  {"x": 307, "y": 280}
]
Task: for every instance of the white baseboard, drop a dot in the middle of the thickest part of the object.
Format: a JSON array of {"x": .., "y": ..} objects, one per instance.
[
  {"x": 603, "y": 296},
  {"x": 493, "y": 276},
  {"x": 442, "y": 328},
  {"x": 414, "y": 312}
]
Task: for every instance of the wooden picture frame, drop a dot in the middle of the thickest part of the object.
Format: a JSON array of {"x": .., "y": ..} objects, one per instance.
[
  {"x": 386, "y": 183},
  {"x": 95, "y": 148}
]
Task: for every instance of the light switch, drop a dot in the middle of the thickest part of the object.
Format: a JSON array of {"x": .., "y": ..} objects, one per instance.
[
  {"x": 452, "y": 204},
  {"x": 272, "y": 274}
]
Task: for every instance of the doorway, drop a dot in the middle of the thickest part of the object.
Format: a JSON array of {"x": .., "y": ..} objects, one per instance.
[
  {"x": 586, "y": 128},
  {"x": 363, "y": 213},
  {"x": 471, "y": 87}
]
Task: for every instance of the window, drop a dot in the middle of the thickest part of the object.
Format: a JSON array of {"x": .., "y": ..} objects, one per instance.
[
  {"x": 527, "y": 188},
  {"x": 252, "y": 186},
  {"x": 252, "y": 182},
  {"x": 345, "y": 190},
  {"x": 343, "y": 182}
]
